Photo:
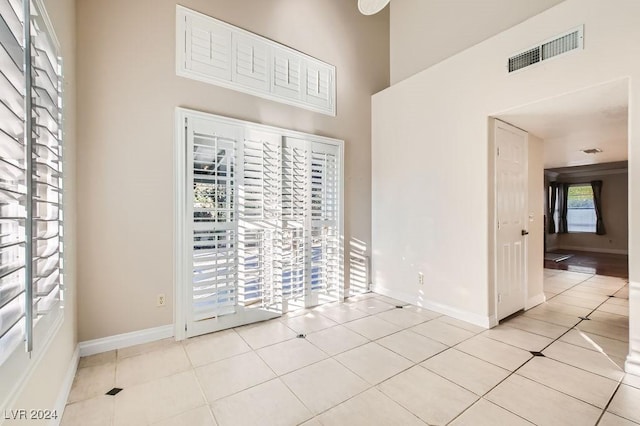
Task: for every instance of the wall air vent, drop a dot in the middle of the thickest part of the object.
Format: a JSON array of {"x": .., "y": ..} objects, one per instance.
[{"x": 557, "y": 46}]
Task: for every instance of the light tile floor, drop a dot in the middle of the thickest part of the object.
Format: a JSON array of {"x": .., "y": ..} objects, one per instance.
[{"x": 367, "y": 362}]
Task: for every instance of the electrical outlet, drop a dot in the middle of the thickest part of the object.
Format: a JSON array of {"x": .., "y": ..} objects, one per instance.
[
  {"x": 420, "y": 278},
  {"x": 162, "y": 300}
]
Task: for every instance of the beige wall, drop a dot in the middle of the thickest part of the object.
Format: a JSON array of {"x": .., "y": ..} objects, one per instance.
[
  {"x": 44, "y": 386},
  {"x": 615, "y": 210},
  {"x": 430, "y": 139},
  {"x": 127, "y": 94},
  {"x": 425, "y": 32}
]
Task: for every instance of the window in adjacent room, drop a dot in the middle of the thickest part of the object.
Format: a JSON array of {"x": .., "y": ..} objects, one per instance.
[{"x": 581, "y": 212}]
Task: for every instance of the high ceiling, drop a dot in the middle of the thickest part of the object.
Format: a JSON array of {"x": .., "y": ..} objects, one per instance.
[{"x": 592, "y": 118}]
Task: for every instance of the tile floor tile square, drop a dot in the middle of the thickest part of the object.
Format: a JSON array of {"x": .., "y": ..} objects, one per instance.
[
  {"x": 214, "y": 347},
  {"x": 401, "y": 317},
  {"x": 371, "y": 407},
  {"x": 429, "y": 315},
  {"x": 412, "y": 346},
  {"x": 461, "y": 324},
  {"x": 146, "y": 347},
  {"x": 265, "y": 333},
  {"x": 373, "y": 362},
  {"x": 498, "y": 353},
  {"x": 325, "y": 384},
  {"x": 372, "y": 305},
  {"x": 157, "y": 400},
  {"x": 442, "y": 332},
  {"x": 580, "y": 384},
  {"x": 432, "y": 398},
  {"x": 142, "y": 368},
  {"x": 604, "y": 329},
  {"x": 337, "y": 339},
  {"x": 269, "y": 403},
  {"x": 610, "y": 347},
  {"x": 290, "y": 355},
  {"x": 200, "y": 416},
  {"x": 535, "y": 326},
  {"x": 372, "y": 327},
  {"x": 98, "y": 359},
  {"x": 518, "y": 338},
  {"x": 485, "y": 413},
  {"x": 626, "y": 403},
  {"x": 97, "y": 411},
  {"x": 232, "y": 375},
  {"x": 341, "y": 312},
  {"x": 585, "y": 359},
  {"x": 465, "y": 370},
  {"x": 309, "y": 322},
  {"x": 541, "y": 405},
  {"x": 91, "y": 382},
  {"x": 609, "y": 419}
]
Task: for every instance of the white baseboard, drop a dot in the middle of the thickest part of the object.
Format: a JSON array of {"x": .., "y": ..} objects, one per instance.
[
  {"x": 535, "y": 301},
  {"x": 65, "y": 388},
  {"x": 632, "y": 365},
  {"x": 592, "y": 249},
  {"x": 470, "y": 317},
  {"x": 119, "y": 341}
]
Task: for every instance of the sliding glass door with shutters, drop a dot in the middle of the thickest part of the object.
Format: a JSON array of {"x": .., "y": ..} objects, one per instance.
[{"x": 258, "y": 222}]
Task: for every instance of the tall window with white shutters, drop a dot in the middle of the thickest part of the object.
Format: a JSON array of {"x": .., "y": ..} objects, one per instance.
[{"x": 31, "y": 213}]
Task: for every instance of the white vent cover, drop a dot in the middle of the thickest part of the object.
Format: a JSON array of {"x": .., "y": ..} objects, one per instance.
[
  {"x": 215, "y": 52},
  {"x": 557, "y": 46}
]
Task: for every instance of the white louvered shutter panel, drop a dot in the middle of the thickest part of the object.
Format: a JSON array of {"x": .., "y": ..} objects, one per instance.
[
  {"x": 287, "y": 74},
  {"x": 47, "y": 213},
  {"x": 250, "y": 62},
  {"x": 208, "y": 48},
  {"x": 319, "y": 84},
  {"x": 295, "y": 184},
  {"x": 12, "y": 179},
  {"x": 260, "y": 209},
  {"x": 213, "y": 185},
  {"x": 324, "y": 210}
]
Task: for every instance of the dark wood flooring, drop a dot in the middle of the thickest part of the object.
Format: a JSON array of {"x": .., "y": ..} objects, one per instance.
[{"x": 613, "y": 265}]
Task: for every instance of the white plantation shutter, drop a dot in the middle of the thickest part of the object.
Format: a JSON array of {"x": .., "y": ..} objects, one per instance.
[
  {"x": 215, "y": 229},
  {"x": 251, "y": 62},
  {"x": 47, "y": 169},
  {"x": 324, "y": 199},
  {"x": 260, "y": 209},
  {"x": 207, "y": 48},
  {"x": 13, "y": 180},
  {"x": 31, "y": 220},
  {"x": 295, "y": 188},
  {"x": 215, "y": 52},
  {"x": 287, "y": 74}
]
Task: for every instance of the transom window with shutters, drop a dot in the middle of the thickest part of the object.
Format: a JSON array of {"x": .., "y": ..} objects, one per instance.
[
  {"x": 31, "y": 222},
  {"x": 259, "y": 222}
]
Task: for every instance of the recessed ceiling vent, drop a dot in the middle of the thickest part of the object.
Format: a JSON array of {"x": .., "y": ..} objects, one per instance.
[{"x": 552, "y": 48}]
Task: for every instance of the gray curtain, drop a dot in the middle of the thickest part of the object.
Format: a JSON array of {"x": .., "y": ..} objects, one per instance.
[
  {"x": 596, "y": 186},
  {"x": 563, "y": 195},
  {"x": 551, "y": 207}
]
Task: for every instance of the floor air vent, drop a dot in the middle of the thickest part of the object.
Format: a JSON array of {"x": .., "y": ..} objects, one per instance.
[{"x": 555, "y": 47}]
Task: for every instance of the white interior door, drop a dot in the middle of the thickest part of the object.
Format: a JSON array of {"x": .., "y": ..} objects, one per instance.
[{"x": 511, "y": 213}]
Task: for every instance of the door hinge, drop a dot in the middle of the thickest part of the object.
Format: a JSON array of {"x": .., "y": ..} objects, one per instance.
[
  {"x": 498, "y": 151},
  {"x": 185, "y": 328},
  {"x": 499, "y": 297}
]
